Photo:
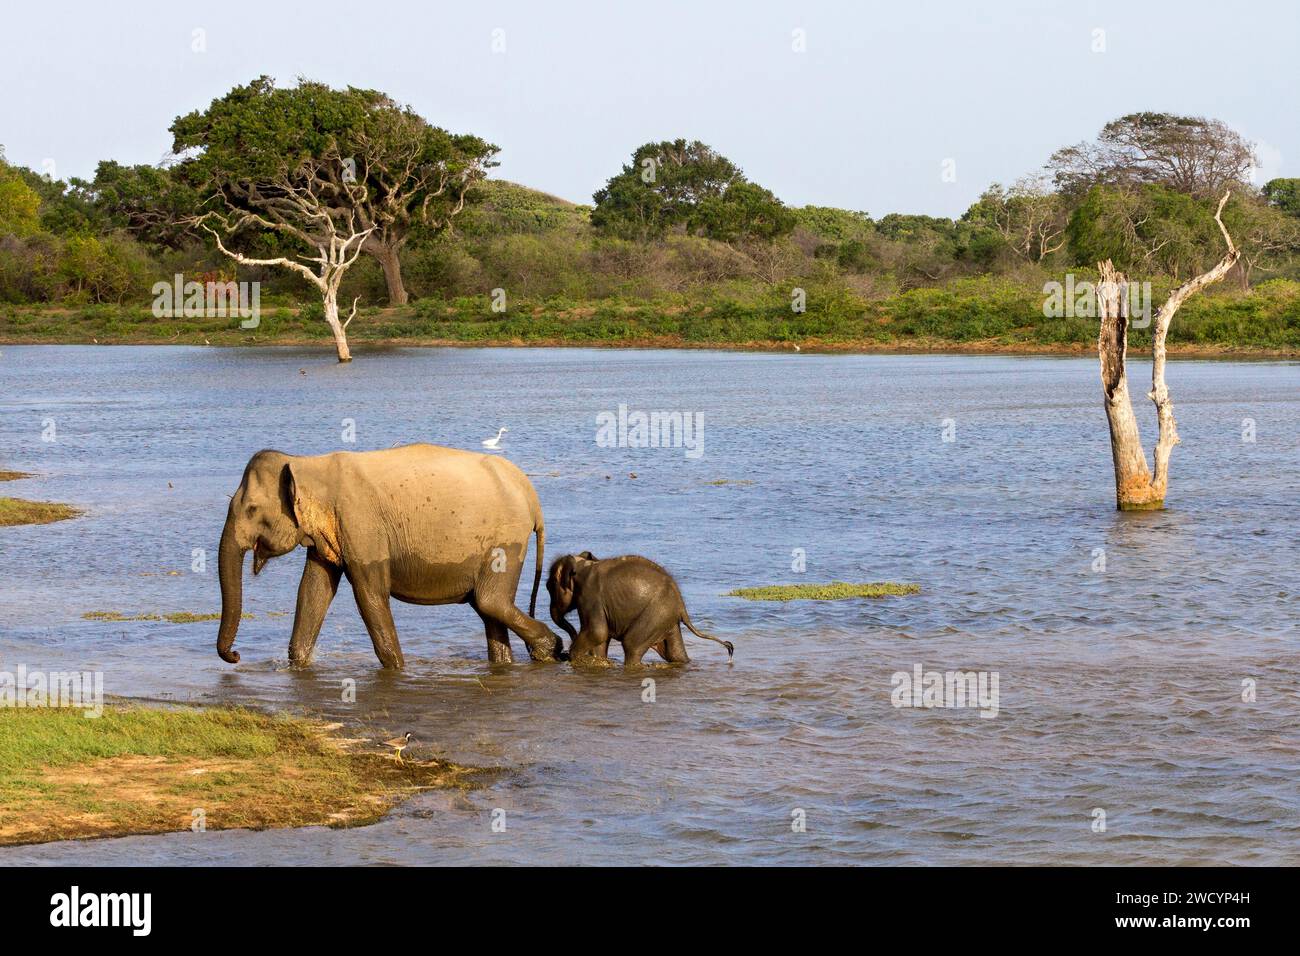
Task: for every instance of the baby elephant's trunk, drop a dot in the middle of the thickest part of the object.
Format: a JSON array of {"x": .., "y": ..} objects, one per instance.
[{"x": 731, "y": 648}]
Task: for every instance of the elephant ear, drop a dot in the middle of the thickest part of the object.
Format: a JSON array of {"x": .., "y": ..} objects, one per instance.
[
  {"x": 564, "y": 573},
  {"x": 316, "y": 519}
]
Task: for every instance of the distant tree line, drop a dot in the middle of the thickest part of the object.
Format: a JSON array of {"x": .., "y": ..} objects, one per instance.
[{"x": 328, "y": 195}]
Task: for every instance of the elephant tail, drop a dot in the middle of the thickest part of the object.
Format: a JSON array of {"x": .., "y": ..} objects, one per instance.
[
  {"x": 686, "y": 619},
  {"x": 539, "y": 528}
]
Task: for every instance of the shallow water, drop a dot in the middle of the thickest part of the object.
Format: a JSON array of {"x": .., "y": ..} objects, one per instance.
[{"x": 1119, "y": 690}]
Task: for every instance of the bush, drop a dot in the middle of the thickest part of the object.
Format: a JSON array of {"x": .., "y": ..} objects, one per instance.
[
  {"x": 75, "y": 270},
  {"x": 108, "y": 269},
  {"x": 441, "y": 269}
]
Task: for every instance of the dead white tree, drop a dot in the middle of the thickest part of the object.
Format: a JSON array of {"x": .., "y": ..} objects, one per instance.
[
  {"x": 1030, "y": 217},
  {"x": 315, "y": 204},
  {"x": 1137, "y": 487}
]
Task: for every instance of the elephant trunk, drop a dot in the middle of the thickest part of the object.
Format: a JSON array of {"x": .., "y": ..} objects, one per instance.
[
  {"x": 230, "y": 571},
  {"x": 557, "y": 615}
]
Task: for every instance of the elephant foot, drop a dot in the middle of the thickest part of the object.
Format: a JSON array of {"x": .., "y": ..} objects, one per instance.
[
  {"x": 555, "y": 652},
  {"x": 299, "y": 659},
  {"x": 591, "y": 660}
]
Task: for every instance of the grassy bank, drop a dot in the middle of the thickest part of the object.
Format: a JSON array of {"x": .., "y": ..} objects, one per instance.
[
  {"x": 147, "y": 770},
  {"x": 971, "y": 315}
]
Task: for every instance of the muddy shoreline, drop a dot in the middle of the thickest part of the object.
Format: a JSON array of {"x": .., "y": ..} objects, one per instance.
[{"x": 811, "y": 346}]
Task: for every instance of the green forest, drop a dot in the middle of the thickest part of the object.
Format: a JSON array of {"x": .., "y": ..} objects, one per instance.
[{"x": 342, "y": 202}]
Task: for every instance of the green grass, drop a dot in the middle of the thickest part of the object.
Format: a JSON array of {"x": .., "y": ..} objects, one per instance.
[
  {"x": 976, "y": 314},
  {"x": 53, "y": 738},
  {"x": 144, "y": 770},
  {"x": 15, "y": 511},
  {"x": 835, "y": 591}
]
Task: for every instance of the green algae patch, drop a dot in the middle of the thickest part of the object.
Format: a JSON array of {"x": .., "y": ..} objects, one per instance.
[
  {"x": 15, "y": 511},
  {"x": 835, "y": 591},
  {"x": 172, "y": 617}
]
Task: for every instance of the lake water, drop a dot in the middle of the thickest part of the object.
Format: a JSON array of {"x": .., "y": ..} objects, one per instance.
[{"x": 1119, "y": 690}]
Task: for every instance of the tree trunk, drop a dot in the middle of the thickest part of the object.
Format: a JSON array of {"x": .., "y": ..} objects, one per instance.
[
  {"x": 1136, "y": 487},
  {"x": 337, "y": 327},
  {"x": 392, "y": 266},
  {"x": 1133, "y": 487}
]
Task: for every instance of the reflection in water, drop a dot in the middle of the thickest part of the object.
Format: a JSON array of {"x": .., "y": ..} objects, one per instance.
[{"x": 1120, "y": 690}]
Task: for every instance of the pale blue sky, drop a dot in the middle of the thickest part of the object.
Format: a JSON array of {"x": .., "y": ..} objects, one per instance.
[{"x": 863, "y": 119}]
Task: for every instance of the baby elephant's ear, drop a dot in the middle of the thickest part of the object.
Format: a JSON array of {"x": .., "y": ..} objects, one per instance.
[
  {"x": 587, "y": 555},
  {"x": 562, "y": 573}
]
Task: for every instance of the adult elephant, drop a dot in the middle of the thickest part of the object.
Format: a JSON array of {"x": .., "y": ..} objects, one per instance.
[{"x": 422, "y": 524}]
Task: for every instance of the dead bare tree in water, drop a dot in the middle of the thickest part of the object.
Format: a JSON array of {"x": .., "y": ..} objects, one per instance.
[{"x": 1137, "y": 487}]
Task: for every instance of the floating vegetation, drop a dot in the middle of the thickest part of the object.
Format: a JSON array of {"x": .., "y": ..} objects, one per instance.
[
  {"x": 835, "y": 591},
  {"x": 173, "y": 617},
  {"x": 15, "y": 511}
]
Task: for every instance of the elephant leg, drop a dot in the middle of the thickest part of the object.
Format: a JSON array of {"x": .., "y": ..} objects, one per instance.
[
  {"x": 498, "y": 641},
  {"x": 319, "y": 584},
  {"x": 543, "y": 643},
  {"x": 644, "y": 634},
  {"x": 591, "y": 646},
  {"x": 494, "y": 597},
  {"x": 672, "y": 648},
  {"x": 372, "y": 594}
]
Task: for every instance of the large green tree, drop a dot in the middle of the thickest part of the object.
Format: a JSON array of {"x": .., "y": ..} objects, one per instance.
[
  {"x": 689, "y": 186},
  {"x": 281, "y": 158},
  {"x": 1189, "y": 154},
  {"x": 61, "y": 208},
  {"x": 1283, "y": 194},
  {"x": 19, "y": 204}
]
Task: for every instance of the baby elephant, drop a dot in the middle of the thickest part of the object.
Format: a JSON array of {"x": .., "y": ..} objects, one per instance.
[{"x": 629, "y": 599}]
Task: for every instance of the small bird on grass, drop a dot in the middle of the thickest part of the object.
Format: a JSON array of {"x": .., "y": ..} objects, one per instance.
[
  {"x": 399, "y": 744},
  {"x": 495, "y": 442}
]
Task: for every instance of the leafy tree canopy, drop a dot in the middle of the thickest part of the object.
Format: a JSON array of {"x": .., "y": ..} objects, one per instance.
[
  {"x": 19, "y": 203},
  {"x": 1189, "y": 154},
  {"x": 60, "y": 210},
  {"x": 690, "y": 186},
  {"x": 1284, "y": 194},
  {"x": 837, "y": 225},
  {"x": 285, "y": 155},
  {"x": 149, "y": 202}
]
